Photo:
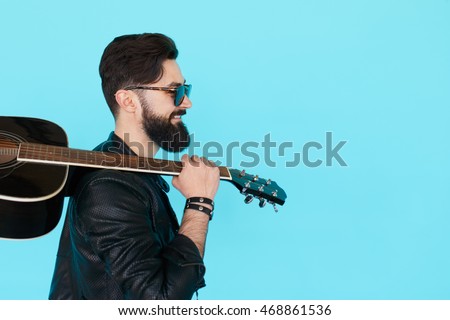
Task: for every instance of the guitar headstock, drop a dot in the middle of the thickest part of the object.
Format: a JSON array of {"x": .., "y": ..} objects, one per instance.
[{"x": 252, "y": 186}]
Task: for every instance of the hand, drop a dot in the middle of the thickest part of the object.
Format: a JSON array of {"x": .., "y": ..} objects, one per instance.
[{"x": 198, "y": 178}]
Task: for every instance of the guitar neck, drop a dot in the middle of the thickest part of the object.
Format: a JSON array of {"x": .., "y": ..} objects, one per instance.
[{"x": 48, "y": 154}]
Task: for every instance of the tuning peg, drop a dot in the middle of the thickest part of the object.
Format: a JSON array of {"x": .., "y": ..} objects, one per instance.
[
  {"x": 274, "y": 193},
  {"x": 255, "y": 178},
  {"x": 246, "y": 186},
  {"x": 248, "y": 199},
  {"x": 262, "y": 202},
  {"x": 268, "y": 182},
  {"x": 261, "y": 188},
  {"x": 275, "y": 208},
  {"x": 242, "y": 173}
]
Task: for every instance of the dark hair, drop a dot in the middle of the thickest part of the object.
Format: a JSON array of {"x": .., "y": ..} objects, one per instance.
[{"x": 134, "y": 59}]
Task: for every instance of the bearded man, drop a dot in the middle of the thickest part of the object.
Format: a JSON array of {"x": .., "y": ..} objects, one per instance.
[{"x": 121, "y": 238}]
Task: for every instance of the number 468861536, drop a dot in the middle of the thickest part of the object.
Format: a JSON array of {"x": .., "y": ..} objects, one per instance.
[{"x": 303, "y": 310}]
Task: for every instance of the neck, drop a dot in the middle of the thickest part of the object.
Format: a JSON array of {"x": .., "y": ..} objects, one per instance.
[{"x": 137, "y": 141}]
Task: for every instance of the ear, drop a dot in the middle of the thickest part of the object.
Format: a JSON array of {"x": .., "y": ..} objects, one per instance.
[{"x": 127, "y": 100}]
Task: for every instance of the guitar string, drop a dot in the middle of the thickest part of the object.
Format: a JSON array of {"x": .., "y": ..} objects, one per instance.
[
  {"x": 11, "y": 147},
  {"x": 35, "y": 151},
  {"x": 61, "y": 154},
  {"x": 43, "y": 152},
  {"x": 8, "y": 147},
  {"x": 91, "y": 157}
]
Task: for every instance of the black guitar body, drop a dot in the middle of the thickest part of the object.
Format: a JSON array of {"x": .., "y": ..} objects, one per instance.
[
  {"x": 25, "y": 220},
  {"x": 31, "y": 194}
]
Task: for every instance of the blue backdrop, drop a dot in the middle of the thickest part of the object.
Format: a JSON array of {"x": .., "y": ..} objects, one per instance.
[{"x": 375, "y": 74}]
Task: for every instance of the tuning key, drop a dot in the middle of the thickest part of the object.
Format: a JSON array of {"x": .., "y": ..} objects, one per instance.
[
  {"x": 268, "y": 182},
  {"x": 246, "y": 186},
  {"x": 275, "y": 208},
  {"x": 242, "y": 173},
  {"x": 248, "y": 199},
  {"x": 255, "y": 178},
  {"x": 262, "y": 202}
]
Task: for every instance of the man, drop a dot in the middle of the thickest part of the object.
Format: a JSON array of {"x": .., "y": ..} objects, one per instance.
[{"x": 121, "y": 238}]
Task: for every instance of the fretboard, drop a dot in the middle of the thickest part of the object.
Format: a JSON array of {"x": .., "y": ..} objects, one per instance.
[{"x": 41, "y": 153}]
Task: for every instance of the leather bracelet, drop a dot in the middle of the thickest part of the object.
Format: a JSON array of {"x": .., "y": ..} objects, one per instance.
[
  {"x": 201, "y": 200},
  {"x": 200, "y": 208}
]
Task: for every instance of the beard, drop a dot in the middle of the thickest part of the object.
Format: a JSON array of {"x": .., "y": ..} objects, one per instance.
[{"x": 170, "y": 137}]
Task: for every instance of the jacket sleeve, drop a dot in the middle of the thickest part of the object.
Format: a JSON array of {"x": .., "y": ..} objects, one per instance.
[{"x": 112, "y": 218}]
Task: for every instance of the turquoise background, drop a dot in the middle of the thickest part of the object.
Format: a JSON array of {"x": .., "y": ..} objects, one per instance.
[{"x": 375, "y": 73}]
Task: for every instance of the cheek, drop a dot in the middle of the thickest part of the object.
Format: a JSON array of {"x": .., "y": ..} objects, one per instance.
[{"x": 159, "y": 105}]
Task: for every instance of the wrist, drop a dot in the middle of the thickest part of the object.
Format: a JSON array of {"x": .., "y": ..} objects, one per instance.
[
  {"x": 200, "y": 208},
  {"x": 201, "y": 200},
  {"x": 202, "y": 204},
  {"x": 199, "y": 195}
]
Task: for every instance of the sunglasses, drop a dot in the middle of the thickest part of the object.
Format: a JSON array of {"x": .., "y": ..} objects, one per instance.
[{"x": 179, "y": 92}]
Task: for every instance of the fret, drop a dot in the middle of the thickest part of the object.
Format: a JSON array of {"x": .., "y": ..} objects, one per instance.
[
  {"x": 147, "y": 163},
  {"x": 50, "y": 151},
  {"x": 32, "y": 152},
  {"x": 60, "y": 154},
  {"x": 23, "y": 149},
  {"x": 63, "y": 153},
  {"x": 90, "y": 157},
  {"x": 66, "y": 154},
  {"x": 37, "y": 152},
  {"x": 141, "y": 162},
  {"x": 134, "y": 162},
  {"x": 126, "y": 162}
]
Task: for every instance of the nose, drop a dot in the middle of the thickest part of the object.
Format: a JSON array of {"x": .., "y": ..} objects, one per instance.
[{"x": 187, "y": 103}]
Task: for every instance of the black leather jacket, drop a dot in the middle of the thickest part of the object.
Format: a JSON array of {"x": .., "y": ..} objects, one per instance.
[{"x": 120, "y": 239}]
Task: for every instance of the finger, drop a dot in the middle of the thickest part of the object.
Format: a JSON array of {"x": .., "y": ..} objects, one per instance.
[
  {"x": 212, "y": 163},
  {"x": 195, "y": 160},
  {"x": 184, "y": 160},
  {"x": 205, "y": 161}
]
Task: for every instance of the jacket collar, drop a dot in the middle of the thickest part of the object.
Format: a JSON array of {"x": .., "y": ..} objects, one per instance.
[{"x": 115, "y": 144}]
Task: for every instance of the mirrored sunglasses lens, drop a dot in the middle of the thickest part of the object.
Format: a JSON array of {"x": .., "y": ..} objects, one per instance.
[
  {"x": 179, "y": 96},
  {"x": 188, "y": 88}
]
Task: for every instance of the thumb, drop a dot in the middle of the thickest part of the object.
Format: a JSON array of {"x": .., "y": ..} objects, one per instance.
[{"x": 185, "y": 159}]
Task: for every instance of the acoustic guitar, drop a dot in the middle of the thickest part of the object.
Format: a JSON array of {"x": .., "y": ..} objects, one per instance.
[{"x": 34, "y": 167}]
